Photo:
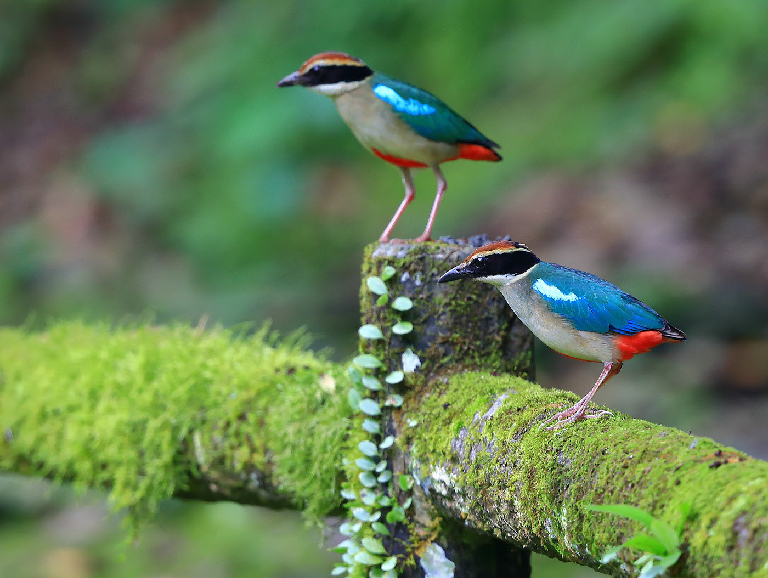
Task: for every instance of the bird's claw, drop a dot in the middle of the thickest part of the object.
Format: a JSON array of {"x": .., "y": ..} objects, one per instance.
[{"x": 572, "y": 415}]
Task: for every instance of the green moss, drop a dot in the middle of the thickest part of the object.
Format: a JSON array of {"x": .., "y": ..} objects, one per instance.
[
  {"x": 530, "y": 485},
  {"x": 136, "y": 409}
]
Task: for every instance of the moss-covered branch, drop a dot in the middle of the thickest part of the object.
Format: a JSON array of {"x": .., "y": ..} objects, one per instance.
[{"x": 154, "y": 412}]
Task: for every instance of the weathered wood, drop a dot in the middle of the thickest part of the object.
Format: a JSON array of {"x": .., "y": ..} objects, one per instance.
[{"x": 462, "y": 327}]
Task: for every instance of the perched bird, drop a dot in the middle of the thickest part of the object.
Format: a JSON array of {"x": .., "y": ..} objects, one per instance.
[
  {"x": 573, "y": 312},
  {"x": 398, "y": 122}
]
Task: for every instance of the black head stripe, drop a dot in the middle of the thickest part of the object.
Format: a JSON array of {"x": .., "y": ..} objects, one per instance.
[
  {"x": 333, "y": 73},
  {"x": 506, "y": 263}
]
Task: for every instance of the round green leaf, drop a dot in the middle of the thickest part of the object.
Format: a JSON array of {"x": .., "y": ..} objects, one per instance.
[
  {"x": 389, "y": 563},
  {"x": 367, "y": 361},
  {"x": 388, "y": 272},
  {"x": 380, "y": 528},
  {"x": 382, "y": 300},
  {"x": 396, "y": 514},
  {"x": 381, "y": 466},
  {"x": 355, "y": 374},
  {"x": 369, "y": 407},
  {"x": 365, "y": 464},
  {"x": 402, "y": 304},
  {"x": 338, "y": 570},
  {"x": 368, "y": 448},
  {"x": 361, "y": 514},
  {"x": 395, "y": 377},
  {"x": 371, "y": 383},
  {"x": 387, "y": 442},
  {"x": 376, "y": 285},
  {"x": 395, "y": 400},
  {"x": 369, "y": 331},
  {"x": 348, "y": 494},
  {"x": 363, "y": 557},
  {"x": 374, "y": 545},
  {"x": 402, "y": 328},
  {"x": 368, "y": 497},
  {"x": 367, "y": 479},
  {"x": 371, "y": 426},
  {"x": 384, "y": 477},
  {"x": 354, "y": 398}
]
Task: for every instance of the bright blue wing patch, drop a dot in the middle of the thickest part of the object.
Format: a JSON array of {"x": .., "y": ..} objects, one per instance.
[
  {"x": 592, "y": 304},
  {"x": 426, "y": 114},
  {"x": 400, "y": 104}
]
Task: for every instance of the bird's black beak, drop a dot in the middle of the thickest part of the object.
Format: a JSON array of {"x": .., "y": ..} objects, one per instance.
[
  {"x": 459, "y": 272},
  {"x": 291, "y": 80}
]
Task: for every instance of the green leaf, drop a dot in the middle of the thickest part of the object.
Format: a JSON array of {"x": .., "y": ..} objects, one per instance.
[
  {"x": 669, "y": 561},
  {"x": 651, "y": 570},
  {"x": 402, "y": 328},
  {"x": 376, "y": 285},
  {"x": 384, "y": 477},
  {"x": 665, "y": 534},
  {"x": 368, "y": 496},
  {"x": 387, "y": 442},
  {"x": 343, "y": 546},
  {"x": 382, "y": 300},
  {"x": 346, "y": 529},
  {"x": 630, "y": 512},
  {"x": 381, "y": 466},
  {"x": 368, "y": 448},
  {"x": 355, "y": 374},
  {"x": 338, "y": 570},
  {"x": 407, "y": 503},
  {"x": 610, "y": 554},
  {"x": 395, "y": 400},
  {"x": 646, "y": 543},
  {"x": 405, "y": 481},
  {"x": 363, "y": 557},
  {"x": 388, "y": 272},
  {"x": 402, "y": 304},
  {"x": 371, "y": 426},
  {"x": 367, "y": 479},
  {"x": 381, "y": 529},
  {"x": 384, "y": 501},
  {"x": 375, "y": 572},
  {"x": 374, "y": 546},
  {"x": 396, "y": 514},
  {"x": 367, "y": 361},
  {"x": 365, "y": 464},
  {"x": 369, "y": 407},
  {"x": 369, "y": 331},
  {"x": 348, "y": 494},
  {"x": 390, "y": 574},
  {"x": 371, "y": 383},
  {"x": 389, "y": 563},
  {"x": 354, "y": 398},
  {"x": 685, "y": 511},
  {"x": 361, "y": 514},
  {"x": 395, "y": 377},
  {"x": 375, "y": 516}
]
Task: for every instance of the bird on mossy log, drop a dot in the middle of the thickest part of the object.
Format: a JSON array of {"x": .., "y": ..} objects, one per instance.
[
  {"x": 398, "y": 122},
  {"x": 575, "y": 313}
]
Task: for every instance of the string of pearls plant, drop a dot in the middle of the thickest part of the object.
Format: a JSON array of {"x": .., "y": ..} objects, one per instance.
[{"x": 369, "y": 492}]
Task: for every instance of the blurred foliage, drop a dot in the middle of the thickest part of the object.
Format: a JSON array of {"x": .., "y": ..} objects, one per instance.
[
  {"x": 213, "y": 191},
  {"x": 148, "y": 162}
]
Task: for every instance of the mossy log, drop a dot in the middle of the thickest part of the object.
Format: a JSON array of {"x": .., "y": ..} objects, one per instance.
[{"x": 154, "y": 412}]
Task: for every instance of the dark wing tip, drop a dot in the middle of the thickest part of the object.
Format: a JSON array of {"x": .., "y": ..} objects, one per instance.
[{"x": 671, "y": 332}]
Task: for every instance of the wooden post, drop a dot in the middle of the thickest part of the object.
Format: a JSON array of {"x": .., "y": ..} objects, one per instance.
[{"x": 464, "y": 326}]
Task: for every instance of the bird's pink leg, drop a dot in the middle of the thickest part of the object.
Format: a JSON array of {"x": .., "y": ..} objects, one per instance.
[
  {"x": 578, "y": 411},
  {"x": 441, "y": 186},
  {"x": 410, "y": 192}
]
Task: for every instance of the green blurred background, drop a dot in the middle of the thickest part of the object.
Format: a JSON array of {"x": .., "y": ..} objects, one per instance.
[{"x": 148, "y": 163}]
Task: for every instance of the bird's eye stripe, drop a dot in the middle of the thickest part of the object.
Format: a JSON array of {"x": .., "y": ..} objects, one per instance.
[{"x": 333, "y": 73}]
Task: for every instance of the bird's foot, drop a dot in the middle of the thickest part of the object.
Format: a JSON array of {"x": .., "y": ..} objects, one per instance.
[{"x": 571, "y": 415}]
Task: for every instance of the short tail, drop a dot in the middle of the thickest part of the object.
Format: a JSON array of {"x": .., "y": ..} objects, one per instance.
[
  {"x": 672, "y": 333},
  {"x": 478, "y": 152}
]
